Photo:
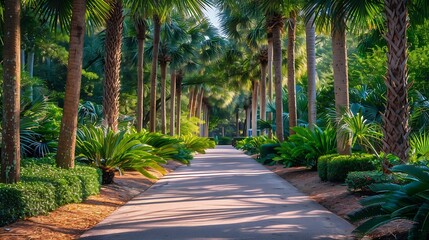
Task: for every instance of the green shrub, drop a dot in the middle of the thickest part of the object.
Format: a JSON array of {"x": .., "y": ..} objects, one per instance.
[
  {"x": 397, "y": 201},
  {"x": 236, "y": 140},
  {"x": 224, "y": 141},
  {"x": 197, "y": 144},
  {"x": 252, "y": 145},
  {"x": 306, "y": 146},
  {"x": 44, "y": 187},
  {"x": 339, "y": 166},
  {"x": 360, "y": 181},
  {"x": 322, "y": 166},
  {"x": 268, "y": 152}
]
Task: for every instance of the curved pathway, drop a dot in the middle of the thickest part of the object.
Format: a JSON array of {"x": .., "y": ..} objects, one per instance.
[{"x": 224, "y": 194}]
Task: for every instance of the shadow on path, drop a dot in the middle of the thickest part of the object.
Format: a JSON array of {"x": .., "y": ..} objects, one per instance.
[{"x": 224, "y": 194}]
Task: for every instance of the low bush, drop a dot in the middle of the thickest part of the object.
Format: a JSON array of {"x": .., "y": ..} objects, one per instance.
[
  {"x": 197, "y": 144},
  {"x": 322, "y": 166},
  {"x": 360, "y": 181},
  {"x": 224, "y": 141},
  {"x": 338, "y": 167},
  {"x": 252, "y": 145},
  {"x": 44, "y": 187},
  {"x": 268, "y": 152},
  {"x": 235, "y": 140}
]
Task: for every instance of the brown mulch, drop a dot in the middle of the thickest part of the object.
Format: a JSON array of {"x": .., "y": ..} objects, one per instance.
[
  {"x": 336, "y": 198},
  {"x": 72, "y": 220}
]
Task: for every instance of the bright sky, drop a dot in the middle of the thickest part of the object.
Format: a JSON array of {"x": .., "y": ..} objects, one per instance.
[{"x": 212, "y": 14}]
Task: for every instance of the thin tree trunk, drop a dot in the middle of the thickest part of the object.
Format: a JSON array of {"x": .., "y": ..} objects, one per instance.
[
  {"x": 191, "y": 91},
  {"x": 270, "y": 79},
  {"x": 10, "y": 155},
  {"x": 194, "y": 101},
  {"x": 255, "y": 109},
  {"x": 397, "y": 113},
  {"x": 141, "y": 31},
  {"x": 199, "y": 103},
  {"x": 179, "y": 78},
  {"x": 291, "y": 72},
  {"x": 341, "y": 84},
  {"x": 277, "y": 62},
  {"x": 237, "y": 124},
  {"x": 156, "y": 38},
  {"x": 30, "y": 63},
  {"x": 67, "y": 139},
  {"x": 263, "y": 93},
  {"x": 112, "y": 66},
  {"x": 311, "y": 72},
  {"x": 22, "y": 60},
  {"x": 206, "y": 127},
  {"x": 172, "y": 100},
  {"x": 163, "y": 66}
]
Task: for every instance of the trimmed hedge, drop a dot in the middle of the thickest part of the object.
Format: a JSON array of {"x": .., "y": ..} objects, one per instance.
[
  {"x": 339, "y": 166},
  {"x": 322, "y": 166},
  {"x": 44, "y": 187},
  {"x": 268, "y": 148},
  {"x": 360, "y": 181},
  {"x": 224, "y": 141}
]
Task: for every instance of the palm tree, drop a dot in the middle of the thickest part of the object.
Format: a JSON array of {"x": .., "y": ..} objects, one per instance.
[
  {"x": 114, "y": 26},
  {"x": 291, "y": 71},
  {"x": 140, "y": 25},
  {"x": 161, "y": 11},
  {"x": 55, "y": 14},
  {"x": 10, "y": 162},
  {"x": 310, "y": 35},
  {"x": 335, "y": 14},
  {"x": 397, "y": 114}
]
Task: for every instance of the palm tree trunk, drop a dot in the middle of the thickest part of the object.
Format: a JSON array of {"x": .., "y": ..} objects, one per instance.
[
  {"x": 179, "y": 78},
  {"x": 270, "y": 79},
  {"x": 67, "y": 139},
  {"x": 341, "y": 83},
  {"x": 141, "y": 31},
  {"x": 263, "y": 93},
  {"x": 172, "y": 100},
  {"x": 191, "y": 99},
  {"x": 199, "y": 103},
  {"x": 254, "y": 108},
  {"x": 291, "y": 72},
  {"x": 397, "y": 113},
  {"x": 10, "y": 154},
  {"x": 194, "y": 101},
  {"x": 206, "y": 127},
  {"x": 247, "y": 121},
  {"x": 163, "y": 66},
  {"x": 237, "y": 124},
  {"x": 30, "y": 64},
  {"x": 311, "y": 72},
  {"x": 156, "y": 38},
  {"x": 112, "y": 66},
  {"x": 277, "y": 62}
]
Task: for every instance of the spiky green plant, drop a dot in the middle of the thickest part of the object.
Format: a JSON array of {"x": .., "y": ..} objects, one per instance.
[
  {"x": 419, "y": 144},
  {"x": 109, "y": 150},
  {"x": 197, "y": 144},
  {"x": 409, "y": 201}
]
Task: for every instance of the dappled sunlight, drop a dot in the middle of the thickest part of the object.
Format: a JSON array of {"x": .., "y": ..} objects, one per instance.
[{"x": 223, "y": 198}]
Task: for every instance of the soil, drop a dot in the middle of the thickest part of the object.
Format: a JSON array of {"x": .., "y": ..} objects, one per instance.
[{"x": 72, "y": 220}]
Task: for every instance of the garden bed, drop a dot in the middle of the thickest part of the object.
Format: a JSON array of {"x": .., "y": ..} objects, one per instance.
[{"x": 72, "y": 220}]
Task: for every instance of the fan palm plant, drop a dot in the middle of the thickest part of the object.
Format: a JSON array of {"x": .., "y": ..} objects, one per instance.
[{"x": 111, "y": 151}]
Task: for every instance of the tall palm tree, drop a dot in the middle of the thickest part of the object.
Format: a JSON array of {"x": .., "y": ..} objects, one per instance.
[
  {"x": 114, "y": 26},
  {"x": 161, "y": 12},
  {"x": 397, "y": 114},
  {"x": 291, "y": 71},
  {"x": 10, "y": 156},
  {"x": 71, "y": 16},
  {"x": 310, "y": 37},
  {"x": 140, "y": 25},
  {"x": 335, "y": 15},
  {"x": 67, "y": 139}
]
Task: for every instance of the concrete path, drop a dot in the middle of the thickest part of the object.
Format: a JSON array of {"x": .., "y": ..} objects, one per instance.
[{"x": 224, "y": 194}]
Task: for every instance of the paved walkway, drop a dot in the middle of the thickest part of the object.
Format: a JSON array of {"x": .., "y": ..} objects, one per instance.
[{"x": 223, "y": 195}]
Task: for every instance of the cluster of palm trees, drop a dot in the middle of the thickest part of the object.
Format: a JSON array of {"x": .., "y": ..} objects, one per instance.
[
  {"x": 75, "y": 16},
  {"x": 185, "y": 43},
  {"x": 336, "y": 17}
]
